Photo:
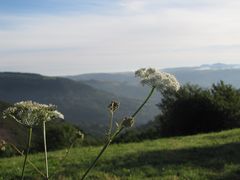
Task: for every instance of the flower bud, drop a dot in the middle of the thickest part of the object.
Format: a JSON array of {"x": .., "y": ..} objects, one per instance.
[
  {"x": 113, "y": 106},
  {"x": 127, "y": 122}
]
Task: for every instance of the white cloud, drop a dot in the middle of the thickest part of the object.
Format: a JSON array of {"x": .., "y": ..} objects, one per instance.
[
  {"x": 169, "y": 35},
  {"x": 135, "y": 6}
]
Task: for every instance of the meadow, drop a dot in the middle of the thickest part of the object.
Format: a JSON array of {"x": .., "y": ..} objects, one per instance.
[{"x": 203, "y": 156}]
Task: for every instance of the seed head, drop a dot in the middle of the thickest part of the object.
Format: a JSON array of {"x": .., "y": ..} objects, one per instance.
[{"x": 113, "y": 106}]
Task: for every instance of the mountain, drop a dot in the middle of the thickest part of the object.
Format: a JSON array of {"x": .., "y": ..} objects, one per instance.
[
  {"x": 84, "y": 98},
  {"x": 120, "y": 84},
  {"x": 204, "y": 75},
  {"x": 218, "y": 66},
  {"x": 81, "y": 104}
]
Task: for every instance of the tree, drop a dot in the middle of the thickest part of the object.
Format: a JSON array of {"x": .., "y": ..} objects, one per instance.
[{"x": 193, "y": 110}]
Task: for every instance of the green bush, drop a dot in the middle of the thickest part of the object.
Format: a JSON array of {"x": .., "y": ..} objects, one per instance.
[{"x": 192, "y": 110}]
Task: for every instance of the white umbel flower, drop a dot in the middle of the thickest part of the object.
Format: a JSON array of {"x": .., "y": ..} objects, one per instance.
[
  {"x": 155, "y": 78},
  {"x": 31, "y": 113}
]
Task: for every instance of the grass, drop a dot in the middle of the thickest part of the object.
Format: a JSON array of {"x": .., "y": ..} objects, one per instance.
[{"x": 204, "y": 156}]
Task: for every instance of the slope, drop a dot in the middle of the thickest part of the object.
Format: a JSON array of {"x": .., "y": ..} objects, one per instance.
[
  {"x": 204, "y": 156},
  {"x": 80, "y": 103}
]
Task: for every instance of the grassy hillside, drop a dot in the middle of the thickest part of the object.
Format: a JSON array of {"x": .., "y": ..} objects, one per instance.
[{"x": 205, "y": 156}]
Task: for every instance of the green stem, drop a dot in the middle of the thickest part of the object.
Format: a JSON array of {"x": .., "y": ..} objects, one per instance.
[
  {"x": 144, "y": 102},
  {"x": 27, "y": 151},
  {"x": 45, "y": 148},
  {"x": 114, "y": 135},
  {"x": 95, "y": 161},
  {"x": 101, "y": 152},
  {"x": 110, "y": 126}
]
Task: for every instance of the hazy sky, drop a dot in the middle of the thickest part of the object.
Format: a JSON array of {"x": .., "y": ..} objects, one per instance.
[{"x": 59, "y": 37}]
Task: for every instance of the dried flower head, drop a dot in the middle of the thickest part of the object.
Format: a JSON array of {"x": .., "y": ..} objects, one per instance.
[
  {"x": 155, "y": 78},
  {"x": 127, "y": 122},
  {"x": 31, "y": 113},
  {"x": 113, "y": 106}
]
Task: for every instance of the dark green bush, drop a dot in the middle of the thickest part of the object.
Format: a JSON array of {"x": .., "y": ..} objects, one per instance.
[{"x": 192, "y": 110}]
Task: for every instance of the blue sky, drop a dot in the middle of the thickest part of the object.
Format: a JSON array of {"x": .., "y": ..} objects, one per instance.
[
  {"x": 60, "y": 37},
  {"x": 53, "y": 7}
]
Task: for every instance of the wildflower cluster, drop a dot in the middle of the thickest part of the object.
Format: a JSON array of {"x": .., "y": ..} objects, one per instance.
[
  {"x": 155, "y": 78},
  {"x": 31, "y": 113}
]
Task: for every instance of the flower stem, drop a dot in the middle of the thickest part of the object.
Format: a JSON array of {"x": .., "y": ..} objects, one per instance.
[
  {"x": 45, "y": 148},
  {"x": 114, "y": 135},
  {"x": 110, "y": 126},
  {"x": 144, "y": 102},
  {"x": 100, "y": 154},
  {"x": 27, "y": 151}
]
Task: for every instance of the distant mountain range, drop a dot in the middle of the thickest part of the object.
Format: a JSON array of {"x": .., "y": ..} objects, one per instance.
[
  {"x": 125, "y": 84},
  {"x": 84, "y": 98},
  {"x": 218, "y": 66}
]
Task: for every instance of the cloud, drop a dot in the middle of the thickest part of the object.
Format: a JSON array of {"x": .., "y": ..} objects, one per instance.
[{"x": 138, "y": 33}]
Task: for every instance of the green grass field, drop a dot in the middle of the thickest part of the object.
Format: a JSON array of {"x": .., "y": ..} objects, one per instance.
[{"x": 204, "y": 156}]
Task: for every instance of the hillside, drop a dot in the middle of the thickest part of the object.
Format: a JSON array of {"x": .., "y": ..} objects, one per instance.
[
  {"x": 204, "y": 156},
  {"x": 127, "y": 86},
  {"x": 80, "y": 103}
]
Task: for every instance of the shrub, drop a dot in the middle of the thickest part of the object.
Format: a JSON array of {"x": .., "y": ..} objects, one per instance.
[
  {"x": 194, "y": 110},
  {"x": 191, "y": 110}
]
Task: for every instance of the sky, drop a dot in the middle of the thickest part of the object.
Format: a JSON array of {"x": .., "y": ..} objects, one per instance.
[{"x": 67, "y": 37}]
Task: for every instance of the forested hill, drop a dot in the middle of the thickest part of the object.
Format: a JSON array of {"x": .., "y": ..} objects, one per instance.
[{"x": 80, "y": 103}]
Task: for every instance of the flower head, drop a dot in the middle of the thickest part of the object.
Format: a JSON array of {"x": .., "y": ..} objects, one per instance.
[
  {"x": 31, "y": 113},
  {"x": 157, "y": 79},
  {"x": 113, "y": 106}
]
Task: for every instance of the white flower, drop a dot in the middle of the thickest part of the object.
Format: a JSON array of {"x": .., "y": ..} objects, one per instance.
[
  {"x": 158, "y": 79},
  {"x": 58, "y": 115},
  {"x": 31, "y": 113}
]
